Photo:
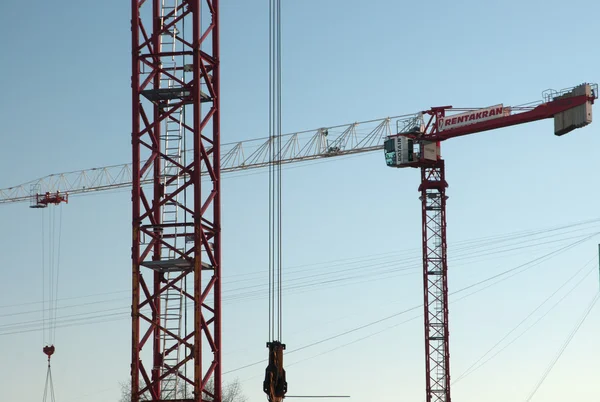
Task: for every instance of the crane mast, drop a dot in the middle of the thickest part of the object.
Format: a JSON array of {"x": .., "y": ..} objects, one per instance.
[
  {"x": 435, "y": 281},
  {"x": 176, "y": 247}
]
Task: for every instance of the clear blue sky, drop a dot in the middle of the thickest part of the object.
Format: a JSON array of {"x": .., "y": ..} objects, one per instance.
[{"x": 66, "y": 106}]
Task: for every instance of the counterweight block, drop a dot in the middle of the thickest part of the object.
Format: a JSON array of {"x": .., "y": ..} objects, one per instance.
[{"x": 578, "y": 116}]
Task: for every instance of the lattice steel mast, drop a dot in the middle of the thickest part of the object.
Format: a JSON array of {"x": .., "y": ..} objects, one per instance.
[
  {"x": 176, "y": 248},
  {"x": 435, "y": 281}
]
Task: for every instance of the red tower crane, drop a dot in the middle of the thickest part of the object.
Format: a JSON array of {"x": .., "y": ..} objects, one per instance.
[{"x": 417, "y": 144}]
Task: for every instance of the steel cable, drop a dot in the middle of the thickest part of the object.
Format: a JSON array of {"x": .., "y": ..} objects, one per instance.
[
  {"x": 563, "y": 347},
  {"x": 275, "y": 173}
]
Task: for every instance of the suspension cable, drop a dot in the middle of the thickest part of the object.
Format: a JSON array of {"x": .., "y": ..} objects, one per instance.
[
  {"x": 271, "y": 150},
  {"x": 50, "y": 275},
  {"x": 275, "y": 174},
  {"x": 43, "y": 281},
  {"x": 275, "y": 384},
  {"x": 55, "y": 294},
  {"x": 279, "y": 171}
]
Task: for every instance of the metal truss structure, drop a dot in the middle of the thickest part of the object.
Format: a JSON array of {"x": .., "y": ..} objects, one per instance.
[
  {"x": 176, "y": 247},
  {"x": 435, "y": 283},
  {"x": 325, "y": 142}
]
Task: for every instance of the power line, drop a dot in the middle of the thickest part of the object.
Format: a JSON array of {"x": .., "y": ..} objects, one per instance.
[
  {"x": 555, "y": 252},
  {"x": 478, "y": 363},
  {"x": 457, "y": 248},
  {"x": 66, "y": 298},
  {"x": 333, "y": 282},
  {"x": 497, "y": 276},
  {"x": 358, "y": 339},
  {"x": 564, "y": 346},
  {"x": 469, "y": 245},
  {"x": 415, "y": 267},
  {"x": 419, "y": 316}
]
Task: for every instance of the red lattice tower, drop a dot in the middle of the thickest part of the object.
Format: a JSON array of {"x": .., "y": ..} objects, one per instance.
[
  {"x": 176, "y": 244},
  {"x": 435, "y": 281}
]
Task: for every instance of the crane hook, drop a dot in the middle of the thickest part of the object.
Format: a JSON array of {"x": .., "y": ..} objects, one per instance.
[
  {"x": 275, "y": 385},
  {"x": 49, "y": 350}
]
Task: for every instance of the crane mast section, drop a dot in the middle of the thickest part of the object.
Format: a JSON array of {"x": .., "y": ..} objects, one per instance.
[
  {"x": 176, "y": 216},
  {"x": 435, "y": 282}
]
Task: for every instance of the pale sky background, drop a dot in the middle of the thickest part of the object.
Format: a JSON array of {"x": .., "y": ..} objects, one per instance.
[{"x": 351, "y": 226}]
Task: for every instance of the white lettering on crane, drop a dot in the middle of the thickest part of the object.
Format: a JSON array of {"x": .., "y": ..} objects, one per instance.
[{"x": 475, "y": 116}]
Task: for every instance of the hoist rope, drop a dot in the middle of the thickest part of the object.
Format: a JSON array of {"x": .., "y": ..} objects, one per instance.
[
  {"x": 55, "y": 295},
  {"x": 50, "y": 273},
  {"x": 43, "y": 282},
  {"x": 50, "y": 276},
  {"x": 275, "y": 173}
]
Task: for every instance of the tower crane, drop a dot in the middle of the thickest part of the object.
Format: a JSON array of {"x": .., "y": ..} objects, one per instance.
[
  {"x": 412, "y": 140},
  {"x": 417, "y": 144}
]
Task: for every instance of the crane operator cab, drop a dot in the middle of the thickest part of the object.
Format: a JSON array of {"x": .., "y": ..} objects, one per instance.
[
  {"x": 407, "y": 149},
  {"x": 402, "y": 151},
  {"x": 399, "y": 151}
]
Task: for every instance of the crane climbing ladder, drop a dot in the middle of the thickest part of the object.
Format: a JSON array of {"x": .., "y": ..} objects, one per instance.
[{"x": 172, "y": 299}]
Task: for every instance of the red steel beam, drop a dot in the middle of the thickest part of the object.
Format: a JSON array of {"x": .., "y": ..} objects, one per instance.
[{"x": 540, "y": 112}]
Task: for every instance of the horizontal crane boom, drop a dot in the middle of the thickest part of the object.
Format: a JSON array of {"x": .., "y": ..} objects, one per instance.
[{"x": 348, "y": 139}]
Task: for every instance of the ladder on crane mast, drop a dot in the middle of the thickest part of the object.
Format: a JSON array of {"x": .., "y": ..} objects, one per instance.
[{"x": 172, "y": 300}]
